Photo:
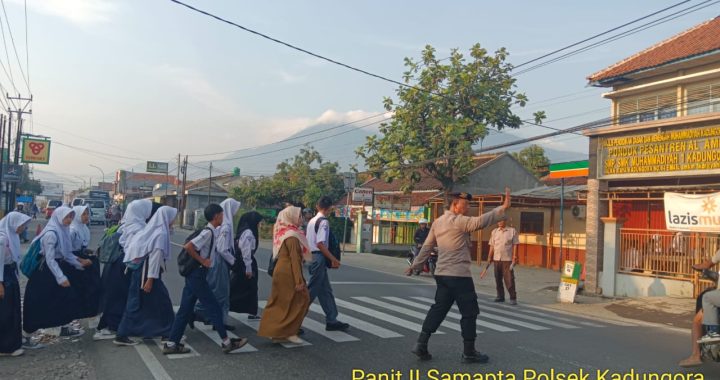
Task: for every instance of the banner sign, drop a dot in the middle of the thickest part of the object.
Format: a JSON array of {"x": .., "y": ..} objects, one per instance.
[
  {"x": 35, "y": 151},
  {"x": 414, "y": 215},
  {"x": 361, "y": 194},
  {"x": 393, "y": 202},
  {"x": 11, "y": 173},
  {"x": 157, "y": 167},
  {"x": 692, "y": 212}
]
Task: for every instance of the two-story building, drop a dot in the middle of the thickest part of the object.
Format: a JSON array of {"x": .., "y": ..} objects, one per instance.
[{"x": 663, "y": 136}]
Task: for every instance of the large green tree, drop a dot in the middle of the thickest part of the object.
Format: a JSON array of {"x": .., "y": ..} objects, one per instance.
[
  {"x": 533, "y": 159},
  {"x": 447, "y": 107}
]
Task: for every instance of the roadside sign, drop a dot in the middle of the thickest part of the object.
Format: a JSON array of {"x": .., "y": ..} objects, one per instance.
[
  {"x": 11, "y": 173},
  {"x": 35, "y": 151},
  {"x": 361, "y": 194},
  {"x": 157, "y": 167},
  {"x": 349, "y": 181},
  {"x": 569, "y": 281}
]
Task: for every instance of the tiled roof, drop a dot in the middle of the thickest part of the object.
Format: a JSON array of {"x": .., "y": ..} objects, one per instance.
[{"x": 700, "y": 39}]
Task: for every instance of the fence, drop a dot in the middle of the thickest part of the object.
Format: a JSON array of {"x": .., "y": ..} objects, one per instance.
[{"x": 666, "y": 254}]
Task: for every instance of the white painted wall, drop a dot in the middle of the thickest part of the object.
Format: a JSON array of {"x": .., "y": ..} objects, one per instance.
[{"x": 627, "y": 285}]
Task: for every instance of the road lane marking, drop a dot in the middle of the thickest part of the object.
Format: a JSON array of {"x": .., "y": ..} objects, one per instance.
[
  {"x": 215, "y": 337},
  {"x": 190, "y": 354},
  {"x": 381, "y": 316},
  {"x": 361, "y": 325},
  {"x": 319, "y": 328},
  {"x": 255, "y": 325},
  {"x": 480, "y": 322},
  {"x": 409, "y": 313},
  {"x": 525, "y": 307},
  {"x": 153, "y": 365}
]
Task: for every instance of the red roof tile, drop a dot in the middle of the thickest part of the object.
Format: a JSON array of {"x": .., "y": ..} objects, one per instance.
[{"x": 697, "y": 40}]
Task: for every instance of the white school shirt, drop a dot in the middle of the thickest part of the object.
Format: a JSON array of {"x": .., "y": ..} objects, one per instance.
[
  {"x": 202, "y": 242},
  {"x": 246, "y": 243},
  {"x": 48, "y": 242},
  {"x": 323, "y": 234},
  {"x": 5, "y": 255},
  {"x": 156, "y": 263},
  {"x": 76, "y": 240},
  {"x": 225, "y": 251}
]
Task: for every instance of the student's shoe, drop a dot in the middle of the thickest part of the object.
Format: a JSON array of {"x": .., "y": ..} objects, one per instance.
[
  {"x": 66, "y": 331},
  {"x": 230, "y": 328},
  {"x": 175, "y": 349},
  {"x": 165, "y": 339},
  {"x": 16, "y": 353},
  {"x": 103, "y": 334},
  {"x": 294, "y": 339},
  {"x": 124, "y": 341},
  {"x": 474, "y": 357},
  {"x": 253, "y": 317},
  {"x": 336, "y": 326},
  {"x": 421, "y": 351},
  {"x": 513, "y": 302},
  {"x": 235, "y": 344},
  {"x": 30, "y": 344},
  {"x": 301, "y": 332},
  {"x": 710, "y": 337},
  {"x": 499, "y": 300}
]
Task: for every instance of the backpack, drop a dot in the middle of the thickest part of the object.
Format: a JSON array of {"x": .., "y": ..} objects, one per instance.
[
  {"x": 333, "y": 243},
  {"x": 186, "y": 263},
  {"x": 110, "y": 249},
  {"x": 32, "y": 259}
]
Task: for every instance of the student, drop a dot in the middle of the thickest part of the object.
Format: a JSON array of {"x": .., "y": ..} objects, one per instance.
[
  {"x": 51, "y": 298},
  {"x": 11, "y": 339},
  {"x": 148, "y": 311},
  {"x": 88, "y": 281},
  {"x": 244, "y": 279},
  {"x": 319, "y": 283},
  {"x": 196, "y": 287},
  {"x": 218, "y": 276},
  {"x": 115, "y": 280}
]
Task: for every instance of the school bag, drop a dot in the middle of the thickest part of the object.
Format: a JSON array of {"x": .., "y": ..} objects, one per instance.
[
  {"x": 32, "y": 259},
  {"x": 110, "y": 249},
  {"x": 333, "y": 243},
  {"x": 186, "y": 263}
]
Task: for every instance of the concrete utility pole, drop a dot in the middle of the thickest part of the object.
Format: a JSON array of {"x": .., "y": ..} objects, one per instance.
[
  {"x": 210, "y": 184},
  {"x": 18, "y": 138},
  {"x": 183, "y": 197},
  {"x": 3, "y": 121},
  {"x": 177, "y": 188}
]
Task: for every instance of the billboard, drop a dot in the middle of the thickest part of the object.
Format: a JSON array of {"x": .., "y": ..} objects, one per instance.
[
  {"x": 35, "y": 151},
  {"x": 157, "y": 167}
]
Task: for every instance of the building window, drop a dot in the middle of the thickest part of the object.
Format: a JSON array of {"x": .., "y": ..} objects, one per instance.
[
  {"x": 703, "y": 99},
  {"x": 532, "y": 223},
  {"x": 647, "y": 108}
]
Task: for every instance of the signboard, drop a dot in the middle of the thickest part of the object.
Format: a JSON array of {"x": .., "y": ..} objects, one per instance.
[
  {"x": 349, "y": 181},
  {"x": 413, "y": 215},
  {"x": 52, "y": 189},
  {"x": 362, "y": 195},
  {"x": 692, "y": 212},
  {"x": 157, "y": 167},
  {"x": 95, "y": 194},
  {"x": 569, "y": 169},
  {"x": 393, "y": 202},
  {"x": 25, "y": 199},
  {"x": 11, "y": 173},
  {"x": 688, "y": 151},
  {"x": 569, "y": 281},
  {"x": 35, "y": 151}
]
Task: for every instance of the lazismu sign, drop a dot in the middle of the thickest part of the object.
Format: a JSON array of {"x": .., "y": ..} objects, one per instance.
[{"x": 692, "y": 212}]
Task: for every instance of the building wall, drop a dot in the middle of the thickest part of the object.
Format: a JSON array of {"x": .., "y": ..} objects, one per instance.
[{"x": 627, "y": 285}]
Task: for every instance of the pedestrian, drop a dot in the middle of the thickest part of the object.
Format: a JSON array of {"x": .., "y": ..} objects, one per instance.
[
  {"x": 88, "y": 280},
  {"x": 202, "y": 248},
  {"x": 218, "y": 276},
  {"x": 695, "y": 358},
  {"x": 319, "y": 284},
  {"x": 21, "y": 209},
  {"x": 51, "y": 298},
  {"x": 450, "y": 234},
  {"x": 11, "y": 339},
  {"x": 503, "y": 255},
  {"x": 35, "y": 211},
  {"x": 148, "y": 311},
  {"x": 244, "y": 278},
  {"x": 115, "y": 280},
  {"x": 289, "y": 298}
]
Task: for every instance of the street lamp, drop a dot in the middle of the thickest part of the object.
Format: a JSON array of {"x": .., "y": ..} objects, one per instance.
[{"x": 101, "y": 171}]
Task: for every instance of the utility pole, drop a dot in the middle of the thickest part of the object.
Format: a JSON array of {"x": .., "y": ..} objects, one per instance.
[
  {"x": 18, "y": 138},
  {"x": 177, "y": 188},
  {"x": 3, "y": 120},
  {"x": 184, "y": 199},
  {"x": 210, "y": 184}
]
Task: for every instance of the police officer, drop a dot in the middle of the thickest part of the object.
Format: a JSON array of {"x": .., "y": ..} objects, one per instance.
[{"x": 450, "y": 234}]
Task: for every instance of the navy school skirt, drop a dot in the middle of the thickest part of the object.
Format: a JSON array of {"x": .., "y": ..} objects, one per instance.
[
  {"x": 114, "y": 284},
  {"x": 47, "y": 304},
  {"x": 88, "y": 286},
  {"x": 10, "y": 315},
  {"x": 147, "y": 315}
]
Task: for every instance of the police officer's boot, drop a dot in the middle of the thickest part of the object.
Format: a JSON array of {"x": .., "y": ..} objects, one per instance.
[
  {"x": 420, "y": 348},
  {"x": 470, "y": 355}
]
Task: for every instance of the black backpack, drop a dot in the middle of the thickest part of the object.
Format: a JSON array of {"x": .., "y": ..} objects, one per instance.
[
  {"x": 333, "y": 243},
  {"x": 186, "y": 263}
]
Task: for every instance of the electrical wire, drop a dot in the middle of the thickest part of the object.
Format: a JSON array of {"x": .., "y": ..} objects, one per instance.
[
  {"x": 27, "y": 50},
  {"x": 12, "y": 39}
]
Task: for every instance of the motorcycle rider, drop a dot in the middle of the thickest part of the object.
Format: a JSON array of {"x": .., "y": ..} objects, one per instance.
[
  {"x": 710, "y": 305},
  {"x": 421, "y": 234}
]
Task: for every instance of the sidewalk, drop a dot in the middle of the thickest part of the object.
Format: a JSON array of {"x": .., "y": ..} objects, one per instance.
[{"x": 539, "y": 287}]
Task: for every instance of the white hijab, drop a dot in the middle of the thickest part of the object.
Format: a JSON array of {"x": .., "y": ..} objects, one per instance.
[
  {"x": 80, "y": 228},
  {"x": 8, "y": 228},
  {"x": 134, "y": 220},
  {"x": 62, "y": 231},
  {"x": 230, "y": 208},
  {"x": 155, "y": 235}
]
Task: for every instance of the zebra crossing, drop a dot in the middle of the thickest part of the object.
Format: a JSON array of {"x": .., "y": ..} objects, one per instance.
[{"x": 390, "y": 317}]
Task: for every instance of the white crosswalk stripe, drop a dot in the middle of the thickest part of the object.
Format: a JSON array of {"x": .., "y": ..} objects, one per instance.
[
  {"x": 410, "y": 313},
  {"x": 525, "y": 310},
  {"x": 359, "y": 324},
  {"x": 319, "y": 328},
  {"x": 381, "y": 316},
  {"x": 213, "y": 335},
  {"x": 190, "y": 354},
  {"x": 255, "y": 325}
]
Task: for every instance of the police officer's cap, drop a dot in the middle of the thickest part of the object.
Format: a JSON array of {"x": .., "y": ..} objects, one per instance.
[{"x": 463, "y": 195}]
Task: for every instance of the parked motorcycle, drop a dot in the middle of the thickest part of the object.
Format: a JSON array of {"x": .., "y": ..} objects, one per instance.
[
  {"x": 430, "y": 264},
  {"x": 710, "y": 351}
]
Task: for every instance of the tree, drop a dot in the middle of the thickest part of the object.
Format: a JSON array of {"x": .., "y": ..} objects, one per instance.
[
  {"x": 533, "y": 159},
  {"x": 448, "y": 109},
  {"x": 28, "y": 185}
]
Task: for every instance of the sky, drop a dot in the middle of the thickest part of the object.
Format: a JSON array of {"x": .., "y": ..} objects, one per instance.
[{"x": 116, "y": 83}]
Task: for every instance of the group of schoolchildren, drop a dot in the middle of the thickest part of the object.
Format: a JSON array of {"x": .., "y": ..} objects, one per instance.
[{"x": 129, "y": 295}]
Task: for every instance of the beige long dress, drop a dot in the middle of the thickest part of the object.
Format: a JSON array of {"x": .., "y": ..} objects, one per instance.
[{"x": 286, "y": 308}]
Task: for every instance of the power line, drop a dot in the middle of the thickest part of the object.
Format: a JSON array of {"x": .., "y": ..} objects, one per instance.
[
  {"x": 12, "y": 39},
  {"x": 27, "y": 50},
  {"x": 8, "y": 70},
  {"x": 89, "y": 139},
  {"x": 601, "y": 34}
]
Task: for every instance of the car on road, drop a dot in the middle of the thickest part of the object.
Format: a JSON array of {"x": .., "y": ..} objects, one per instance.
[
  {"x": 51, "y": 206},
  {"x": 97, "y": 211}
]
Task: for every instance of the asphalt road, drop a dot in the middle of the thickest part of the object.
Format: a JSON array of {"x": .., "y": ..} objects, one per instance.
[{"x": 385, "y": 312}]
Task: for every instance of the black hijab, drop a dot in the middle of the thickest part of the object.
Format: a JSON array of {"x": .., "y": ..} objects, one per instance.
[{"x": 249, "y": 221}]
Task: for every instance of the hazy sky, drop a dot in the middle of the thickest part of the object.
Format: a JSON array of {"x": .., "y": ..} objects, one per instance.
[{"x": 148, "y": 79}]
